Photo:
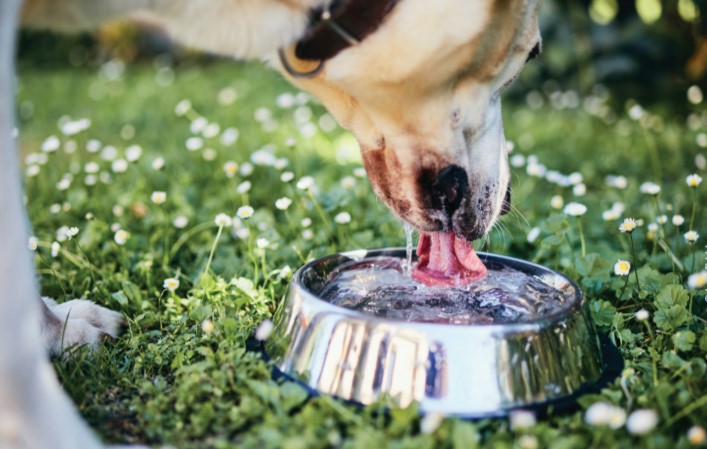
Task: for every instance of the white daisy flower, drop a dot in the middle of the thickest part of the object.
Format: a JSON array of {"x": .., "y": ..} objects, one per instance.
[
  {"x": 194, "y": 143},
  {"x": 198, "y": 124},
  {"x": 32, "y": 243},
  {"x": 283, "y": 203},
  {"x": 521, "y": 419},
  {"x": 109, "y": 152},
  {"x": 517, "y": 160},
  {"x": 619, "y": 182},
  {"x": 556, "y": 202},
  {"x": 622, "y": 267},
  {"x": 119, "y": 166},
  {"x": 359, "y": 172},
  {"x": 264, "y": 329},
  {"x": 91, "y": 167},
  {"x": 603, "y": 414},
  {"x": 307, "y": 234},
  {"x": 229, "y": 136},
  {"x": 247, "y": 169},
  {"x": 245, "y": 212},
  {"x": 650, "y": 188},
  {"x": 63, "y": 184},
  {"x": 158, "y": 163},
  {"x": 56, "y": 247},
  {"x": 262, "y": 243},
  {"x": 207, "y": 326},
  {"x": 575, "y": 209},
  {"x": 133, "y": 153},
  {"x": 579, "y": 189},
  {"x": 32, "y": 171},
  {"x": 243, "y": 187},
  {"x": 306, "y": 222},
  {"x": 93, "y": 146},
  {"x": 51, "y": 144},
  {"x": 678, "y": 220},
  {"x": 227, "y": 96},
  {"x": 693, "y": 180},
  {"x": 643, "y": 315},
  {"x": 72, "y": 232},
  {"x": 348, "y": 182},
  {"x": 342, "y": 218},
  {"x": 170, "y": 284},
  {"x": 158, "y": 197},
  {"x": 661, "y": 219},
  {"x": 230, "y": 168},
  {"x": 642, "y": 421},
  {"x": 180, "y": 222},
  {"x": 211, "y": 130},
  {"x": 696, "y": 435},
  {"x": 182, "y": 108},
  {"x": 120, "y": 237},
  {"x": 628, "y": 225},
  {"x": 528, "y": 442},
  {"x": 305, "y": 183},
  {"x": 287, "y": 176},
  {"x": 118, "y": 210},
  {"x": 533, "y": 234},
  {"x": 691, "y": 236},
  {"x": 223, "y": 220},
  {"x": 697, "y": 280}
]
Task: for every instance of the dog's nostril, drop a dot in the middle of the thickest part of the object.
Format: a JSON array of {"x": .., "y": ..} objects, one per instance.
[
  {"x": 451, "y": 185},
  {"x": 506, "y": 206}
]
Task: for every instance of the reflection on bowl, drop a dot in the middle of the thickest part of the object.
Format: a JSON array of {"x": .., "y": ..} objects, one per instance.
[{"x": 466, "y": 370}]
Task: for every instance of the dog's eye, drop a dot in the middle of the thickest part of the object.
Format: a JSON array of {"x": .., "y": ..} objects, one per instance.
[{"x": 534, "y": 53}]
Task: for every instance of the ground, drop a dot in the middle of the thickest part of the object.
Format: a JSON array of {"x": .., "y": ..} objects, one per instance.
[{"x": 145, "y": 180}]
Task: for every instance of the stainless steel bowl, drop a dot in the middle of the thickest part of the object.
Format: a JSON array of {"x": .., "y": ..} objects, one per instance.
[{"x": 465, "y": 370}]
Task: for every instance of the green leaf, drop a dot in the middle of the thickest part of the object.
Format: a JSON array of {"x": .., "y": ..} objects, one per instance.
[
  {"x": 671, "y": 317},
  {"x": 464, "y": 435},
  {"x": 672, "y": 295},
  {"x": 672, "y": 360},
  {"x": 132, "y": 291},
  {"x": 292, "y": 395},
  {"x": 602, "y": 312},
  {"x": 121, "y": 298},
  {"x": 684, "y": 340}
]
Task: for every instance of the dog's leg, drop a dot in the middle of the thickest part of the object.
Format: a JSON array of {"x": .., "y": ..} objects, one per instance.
[{"x": 34, "y": 411}]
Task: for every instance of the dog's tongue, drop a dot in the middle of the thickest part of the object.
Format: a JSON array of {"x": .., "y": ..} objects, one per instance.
[{"x": 444, "y": 260}]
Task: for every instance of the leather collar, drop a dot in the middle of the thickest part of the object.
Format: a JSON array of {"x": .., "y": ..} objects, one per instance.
[{"x": 339, "y": 25}]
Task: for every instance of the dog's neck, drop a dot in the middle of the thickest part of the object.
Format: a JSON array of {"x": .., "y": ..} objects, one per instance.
[{"x": 340, "y": 24}]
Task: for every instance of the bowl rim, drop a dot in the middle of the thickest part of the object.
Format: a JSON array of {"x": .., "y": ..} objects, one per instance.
[{"x": 544, "y": 321}]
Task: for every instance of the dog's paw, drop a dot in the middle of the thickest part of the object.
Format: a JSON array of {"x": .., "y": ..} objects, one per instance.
[{"x": 77, "y": 322}]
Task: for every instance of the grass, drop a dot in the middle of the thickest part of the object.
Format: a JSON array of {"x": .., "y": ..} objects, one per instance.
[{"x": 180, "y": 373}]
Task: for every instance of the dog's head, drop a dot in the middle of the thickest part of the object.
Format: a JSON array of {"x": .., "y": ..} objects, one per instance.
[{"x": 422, "y": 96}]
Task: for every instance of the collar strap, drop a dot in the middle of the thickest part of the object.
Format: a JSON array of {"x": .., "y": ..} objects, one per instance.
[{"x": 340, "y": 25}]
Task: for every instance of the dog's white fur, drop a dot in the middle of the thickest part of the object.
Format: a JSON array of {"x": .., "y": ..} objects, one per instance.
[{"x": 419, "y": 93}]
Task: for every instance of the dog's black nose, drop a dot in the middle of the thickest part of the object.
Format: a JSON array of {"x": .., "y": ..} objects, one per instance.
[
  {"x": 450, "y": 186},
  {"x": 506, "y": 206}
]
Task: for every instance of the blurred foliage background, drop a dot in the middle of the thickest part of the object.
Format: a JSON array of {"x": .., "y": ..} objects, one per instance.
[{"x": 650, "y": 51}]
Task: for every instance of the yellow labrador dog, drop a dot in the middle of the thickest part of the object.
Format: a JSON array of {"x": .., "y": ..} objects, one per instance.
[{"x": 417, "y": 82}]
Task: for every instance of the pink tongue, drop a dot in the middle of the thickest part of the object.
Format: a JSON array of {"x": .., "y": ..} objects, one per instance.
[{"x": 444, "y": 260}]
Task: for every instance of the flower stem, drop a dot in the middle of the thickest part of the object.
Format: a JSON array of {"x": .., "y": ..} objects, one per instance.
[
  {"x": 581, "y": 237},
  {"x": 694, "y": 209},
  {"x": 213, "y": 249},
  {"x": 635, "y": 269},
  {"x": 623, "y": 289}
]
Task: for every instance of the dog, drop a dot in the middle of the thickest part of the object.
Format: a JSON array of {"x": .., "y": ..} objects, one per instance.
[{"x": 418, "y": 83}]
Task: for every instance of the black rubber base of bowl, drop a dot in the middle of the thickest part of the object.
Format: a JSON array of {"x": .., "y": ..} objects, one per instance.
[{"x": 613, "y": 366}]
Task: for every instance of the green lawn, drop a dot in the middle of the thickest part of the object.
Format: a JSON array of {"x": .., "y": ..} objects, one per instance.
[{"x": 180, "y": 374}]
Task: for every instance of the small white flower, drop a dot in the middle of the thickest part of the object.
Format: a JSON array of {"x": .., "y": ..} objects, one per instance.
[
  {"x": 182, "y": 108},
  {"x": 697, "y": 280},
  {"x": 263, "y": 156},
  {"x": 63, "y": 184},
  {"x": 243, "y": 187},
  {"x": 72, "y": 232},
  {"x": 579, "y": 189},
  {"x": 287, "y": 176},
  {"x": 556, "y": 202},
  {"x": 650, "y": 188},
  {"x": 575, "y": 178},
  {"x": 575, "y": 209},
  {"x": 93, "y": 146},
  {"x": 431, "y": 422},
  {"x": 652, "y": 227},
  {"x": 307, "y": 234},
  {"x": 517, "y": 160},
  {"x": 533, "y": 234},
  {"x": 628, "y": 225},
  {"x": 51, "y": 144},
  {"x": 610, "y": 215},
  {"x": 211, "y": 130},
  {"x": 342, "y": 218},
  {"x": 227, "y": 96},
  {"x": 642, "y": 421},
  {"x": 194, "y": 143},
  {"x": 118, "y": 210},
  {"x": 536, "y": 169},
  {"x": 693, "y": 180},
  {"x": 32, "y": 170},
  {"x": 171, "y": 284},
  {"x": 521, "y": 419},
  {"x": 262, "y": 243},
  {"x": 56, "y": 247},
  {"x": 602, "y": 413},
  {"x": 348, "y": 182},
  {"x": 239, "y": 229},
  {"x": 691, "y": 236},
  {"x": 661, "y": 219},
  {"x": 158, "y": 163},
  {"x": 622, "y": 267},
  {"x": 643, "y": 315},
  {"x": 245, "y": 212},
  {"x": 223, "y": 220},
  {"x": 290, "y": 142},
  {"x": 207, "y": 326},
  {"x": 305, "y": 183},
  {"x": 281, "y": 163},
  {"x": 109, "y": 152},
  {"x": 32, "y": 243},
  {"x": 619, "y": 182},
  {"x": 263, "y": 331},
  {"x": 230, "y": 168},
  {"x": 115, "y": 227},
  {"x": 120, "y": 237},
  {"x": 180, "y": 222},
  {"x": 678, "y": 220},
  {"x": 158, "y": 197},
  {"x": 528, "y": 442},
  {"x": 229, "y": 136},
  {"x": 119, "y": 166},
  {"x": 283, "y": 203},
  {"x": 306, "y": 222},
  {"x": 55, "y": 208},
  {"x": 696, "y": 435},
  {"x": 359, "y": 172},
  {"x": 247, "y": 169},
  {"x": 133, "y": 153},
  {"x": 198, "y": 124},
  {"x": 91, "y": 167}
]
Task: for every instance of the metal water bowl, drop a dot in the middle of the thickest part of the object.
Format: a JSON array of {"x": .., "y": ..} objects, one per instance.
[{"x": 465, "y": 370}]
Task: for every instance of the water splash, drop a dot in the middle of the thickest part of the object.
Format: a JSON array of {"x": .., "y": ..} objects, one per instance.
[
  {"x": 381, "y": 286},
  {"x": 408, "y": 247}
]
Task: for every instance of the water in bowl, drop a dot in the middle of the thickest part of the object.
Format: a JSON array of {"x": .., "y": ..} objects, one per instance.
[{"x": 382, "y": 286}]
